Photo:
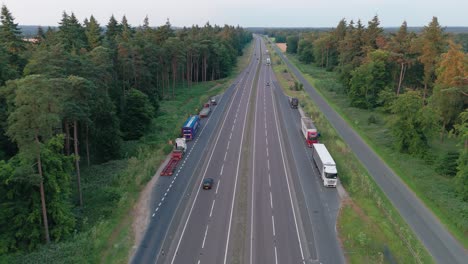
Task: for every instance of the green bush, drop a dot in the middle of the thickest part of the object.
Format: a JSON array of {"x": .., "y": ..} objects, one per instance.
[
  {"x": 372, "y": 119},
  {"x": 447, "y": 163}
]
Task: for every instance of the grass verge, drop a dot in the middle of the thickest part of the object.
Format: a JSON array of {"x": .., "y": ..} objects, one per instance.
[
  {"x": 370, "y": 229},
  {"x": 435, "y": 190},
  {"x": 110, "y": 190}
]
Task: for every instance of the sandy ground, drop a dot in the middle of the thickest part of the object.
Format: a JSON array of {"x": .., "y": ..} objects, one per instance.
[
  {"x": 141, "y": 210},
  {"x": 281, "y": 46}
]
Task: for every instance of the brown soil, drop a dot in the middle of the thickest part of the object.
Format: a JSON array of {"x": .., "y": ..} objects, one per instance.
[{"x": 281, "y": 46}]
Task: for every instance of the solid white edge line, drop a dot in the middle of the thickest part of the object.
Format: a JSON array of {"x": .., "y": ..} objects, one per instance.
[
  {"x": 253, "y": 179},
  {"x": 237, "y": 174},
  {"x": 286, "y": 176},
  {"x": 209, "y": 160},
  {"x": 276, "y": 256}
]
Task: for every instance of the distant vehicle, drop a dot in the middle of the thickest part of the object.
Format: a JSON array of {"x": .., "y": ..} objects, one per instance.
[
  {"x": 177, "y": 154},
  {"x": 268, "y": 61},
  {"x": 208, "y": 183},
  {"x": 267, "y": 83},
  {"x": 309, "y": 131},
  {"x": 213, "y": 101},
  {"x": 294, "y": 102},
  {"x": 205, "y": 111},
  {"x": 325, "y": 164},
  {"x": 190, "y": 127}
]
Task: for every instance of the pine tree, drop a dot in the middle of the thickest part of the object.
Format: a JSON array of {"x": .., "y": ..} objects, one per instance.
[
  {"x": 93, "y": 33},
  {"x": 12, "y": 42}
]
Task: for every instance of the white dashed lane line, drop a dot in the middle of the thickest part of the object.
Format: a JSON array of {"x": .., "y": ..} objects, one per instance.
[
  {"x": 222, "y": 169},
  {"x": 212, "y": 206},
  {"x": 273, "y": 221},
  {"x": 217, "y": 186},
  {"x": 206, "y": 232}
]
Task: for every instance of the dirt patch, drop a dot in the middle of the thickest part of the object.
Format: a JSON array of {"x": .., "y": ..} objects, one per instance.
[
  {"x": 281, "y": 46},
  {"x": 141, "y": 209}
]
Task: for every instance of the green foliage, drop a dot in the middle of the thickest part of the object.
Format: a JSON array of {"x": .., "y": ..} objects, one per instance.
[
  {"x": 137, "y": 116},
  {"x": 368, "y": 80},
  {"x": 411, "y": 124},
  {"x": 292, "y": 44},
  {"x": 305, "y": 51},
  {"x": 461, "y": 178},
  {"x": 447, "y": 164},
  {"x": 20, "y": 220}
]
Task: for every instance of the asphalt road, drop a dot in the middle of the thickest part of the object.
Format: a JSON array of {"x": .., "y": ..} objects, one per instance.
[
  {"x": 267, "y": 204},
  {"x": 275, "y": 226},
  {"x": 205, "y": 230},
  {"x": 172, "y": 194},
  {"x": 439, "y": 242}
]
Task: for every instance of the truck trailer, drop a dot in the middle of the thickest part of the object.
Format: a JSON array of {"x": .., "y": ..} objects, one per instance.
[
  {"x": 177, "y": 154},
  {"x": 325, "y": 164},
  {"x": 309, "y": 131},
  {"x": 205, "y": 111},
  {"x": 190, "y": 127}
]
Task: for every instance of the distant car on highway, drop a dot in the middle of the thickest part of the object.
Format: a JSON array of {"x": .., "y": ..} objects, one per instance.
[
  {"x": 208, "y": 183},
  {"x": 268, "y": 84}
]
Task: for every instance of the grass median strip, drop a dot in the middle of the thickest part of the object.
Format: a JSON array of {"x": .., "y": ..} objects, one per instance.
[{"x": 370, "y": 229}]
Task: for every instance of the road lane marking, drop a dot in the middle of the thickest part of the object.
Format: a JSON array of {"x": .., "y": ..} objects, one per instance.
[
  {"x": 273, "y": 226},
  {"x": 271, "y": 201},
  {"x": 266, "y": 141},
  {"x": 217, "y": 186},
  {"x": 204, "y": 238},
  {"x": 269, "y": 179},
  {"x": 225, "y": 154},
  {"x": 276, "y": 256},
  {"x": 286, "y": 176},
  {"x": 206, "y": 168},
  {"x": 168, "y": 189},
  {"x": 230, "y": 136},
  {"x": 159, "y": 204},
  {"x": 212, "y": 206},
  {"x": 237, "y": 174},
  {"x": 153, "y": 214},
  {"x": 229, "y": 142},
  {"x": 253, "y": 178},
  {"x": 164, "y": 197},
  {"x": 157, "y": 208},
  {"x": 222, "y": 168},
  {"x": 268, "y": 163},
  {"x": 268, "y": 153}
]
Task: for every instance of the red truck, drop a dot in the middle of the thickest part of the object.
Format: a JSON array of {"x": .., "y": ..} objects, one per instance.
[
  {"x": 176, "y": 155},
  {"x": 309, "y": 131},
  {"x": 205, "y": 111}
]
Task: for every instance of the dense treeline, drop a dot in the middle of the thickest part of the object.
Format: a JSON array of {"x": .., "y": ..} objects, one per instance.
[
  {"x": 71, "y": 97},
  {"x": 420, "y": 79}
]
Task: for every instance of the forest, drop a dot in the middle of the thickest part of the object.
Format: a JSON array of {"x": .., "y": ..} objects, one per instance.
[
  {"x": 417, "y": 82},
  {"x": 71, "y": 95}
]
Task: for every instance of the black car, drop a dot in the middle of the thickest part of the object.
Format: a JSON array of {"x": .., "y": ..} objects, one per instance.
[
  {"x": 208, "y": 183},
  {"x": 294, "y": 102},
  {"x": 268, "y": 84}
]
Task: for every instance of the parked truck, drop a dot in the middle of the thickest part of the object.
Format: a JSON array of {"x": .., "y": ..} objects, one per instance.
[
  {"x": 205, "y": 110},
  {"x": 177, "y": 154},
  {"x": 293, "y": 102},
  {"x": 190, "y": 127},
  {"x": 309, "y": 131},
  {"x": 268, "y": 61},
  {"x": 325, "y": 164}
]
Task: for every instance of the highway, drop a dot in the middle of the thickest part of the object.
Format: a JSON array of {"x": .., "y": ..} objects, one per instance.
[
  {"x": 439, "y": 242},
  {"x": 267, "y": 204}
]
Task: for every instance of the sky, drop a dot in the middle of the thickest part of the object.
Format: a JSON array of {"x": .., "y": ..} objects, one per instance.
[{"x": 245, "y": 13}]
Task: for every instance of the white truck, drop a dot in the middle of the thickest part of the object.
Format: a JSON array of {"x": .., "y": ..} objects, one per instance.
[
  {"x": 309, "y": 131},
  {"x": 268, "y": 62},
  {"x": 325, "y": 164}
]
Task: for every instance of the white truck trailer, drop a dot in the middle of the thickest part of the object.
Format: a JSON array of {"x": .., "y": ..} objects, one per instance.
[{"x": 325, "y": 164}]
